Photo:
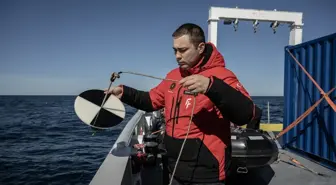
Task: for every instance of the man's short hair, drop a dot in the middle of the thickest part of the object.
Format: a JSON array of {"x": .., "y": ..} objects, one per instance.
[{"x": 194, "y": 31}]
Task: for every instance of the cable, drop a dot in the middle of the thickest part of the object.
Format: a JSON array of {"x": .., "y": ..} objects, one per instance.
[
  {"x": 332, "y": 105},
  {"x": 140, "y": 74},
  {"x": 185, "y": 139},
  {"x": 304, "y": 115},
  {"x": 117, "y": 75},
  {"x": 102, "y": 104},
  {"x": 297, "y": 121},
  {"x": 307, "y": 112},
  {"x": 300, "y": 165}
]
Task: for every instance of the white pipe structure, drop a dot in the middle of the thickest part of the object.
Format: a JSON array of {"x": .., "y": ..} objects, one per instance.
[{"x": 294, "y": 19}]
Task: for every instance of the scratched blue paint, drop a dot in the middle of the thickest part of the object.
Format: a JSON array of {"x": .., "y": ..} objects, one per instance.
[{"x": 315, "y": 135}]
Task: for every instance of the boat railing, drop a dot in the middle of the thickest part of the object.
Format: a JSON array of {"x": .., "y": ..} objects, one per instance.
[
  {"x": 268, "y": 113},
  {"x": 115, "y": 169}
]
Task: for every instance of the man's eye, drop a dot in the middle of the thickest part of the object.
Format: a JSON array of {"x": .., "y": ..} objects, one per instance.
[{"x": 180, "y": 50}]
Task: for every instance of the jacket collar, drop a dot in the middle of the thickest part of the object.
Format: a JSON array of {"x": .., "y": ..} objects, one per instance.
[{"x": 211, "y": 58}]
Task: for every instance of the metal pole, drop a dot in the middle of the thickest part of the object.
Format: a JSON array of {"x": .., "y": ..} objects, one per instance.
[{"x": 268, "y": 112}]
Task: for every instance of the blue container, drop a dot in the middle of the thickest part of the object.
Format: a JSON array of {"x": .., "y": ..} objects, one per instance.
[{"x": 315, "y": 135}]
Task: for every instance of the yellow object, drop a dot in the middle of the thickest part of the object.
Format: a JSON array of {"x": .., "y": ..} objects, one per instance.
[{"x": 273, "y": 127}]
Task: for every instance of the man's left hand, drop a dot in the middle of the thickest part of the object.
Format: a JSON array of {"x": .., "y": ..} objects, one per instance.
[{"x": 196, "y": 83}]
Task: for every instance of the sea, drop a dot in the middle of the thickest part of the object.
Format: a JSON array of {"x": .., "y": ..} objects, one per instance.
[{"x": 42, "y": 141}]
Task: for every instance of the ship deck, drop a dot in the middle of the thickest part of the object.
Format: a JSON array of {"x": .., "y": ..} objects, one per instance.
[
  {"x": 117, "y": 167},
  {"x": 279, "y": 173}
]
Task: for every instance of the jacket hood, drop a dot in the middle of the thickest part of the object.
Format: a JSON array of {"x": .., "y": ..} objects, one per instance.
[{"x": 211, "y": 58}]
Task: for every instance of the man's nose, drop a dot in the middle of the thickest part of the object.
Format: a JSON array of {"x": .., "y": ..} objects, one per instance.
[{"x": 178, "y": 56}]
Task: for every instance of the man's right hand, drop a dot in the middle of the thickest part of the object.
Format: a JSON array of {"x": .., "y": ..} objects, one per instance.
[{"x": 116, "y": 91}]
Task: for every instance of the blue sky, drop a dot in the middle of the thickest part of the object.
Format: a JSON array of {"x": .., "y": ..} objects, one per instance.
[{"x": 68, "y": 46}]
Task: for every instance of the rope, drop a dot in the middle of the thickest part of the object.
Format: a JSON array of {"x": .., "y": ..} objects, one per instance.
[
  {"x": 102, "y": 104},
  {"x": 185, "y": 139},
  {"x": 304, "y": 115},
  {"x": 307, "y": 112},
  {"x": 300, "y": 165},
  {"x": 331, "y": 103},
  {"x": 149, "y": 76},
  {"x": 191, "y": 116},
  {"x": 94, "y": 123},
  {"x": 297, "y": 121},
  {"x": 114, "y": 76}
]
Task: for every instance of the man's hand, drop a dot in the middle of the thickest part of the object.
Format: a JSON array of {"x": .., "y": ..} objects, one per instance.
[
  {"x": 196, "y": 83},
  {"x": 116, "y": 91}
]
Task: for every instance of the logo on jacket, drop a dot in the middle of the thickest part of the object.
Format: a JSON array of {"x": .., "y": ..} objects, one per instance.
[
  {"x": 238, "y": 86},
  {"x": 187, "y": 103},
  {"x": 172, "y": 86}
]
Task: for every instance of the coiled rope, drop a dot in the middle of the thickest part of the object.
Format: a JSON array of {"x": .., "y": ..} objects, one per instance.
[{"x": 114, "y": 76}]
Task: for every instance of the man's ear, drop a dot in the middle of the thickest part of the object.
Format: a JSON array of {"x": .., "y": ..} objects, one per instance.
[{"x": 201, "y": 48}]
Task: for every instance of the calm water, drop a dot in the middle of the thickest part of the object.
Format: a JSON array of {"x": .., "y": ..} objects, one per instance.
[{"x": 43, "y": 142}]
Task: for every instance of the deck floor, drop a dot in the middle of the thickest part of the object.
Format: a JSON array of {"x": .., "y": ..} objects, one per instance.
[{"x": 282, "y": 172}]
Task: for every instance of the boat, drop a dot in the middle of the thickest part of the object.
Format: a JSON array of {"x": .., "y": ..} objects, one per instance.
[
  {"x": 131, "y": 163},
  {"x": 252, "y": 148},
  {"x": 138, "y": 155}
]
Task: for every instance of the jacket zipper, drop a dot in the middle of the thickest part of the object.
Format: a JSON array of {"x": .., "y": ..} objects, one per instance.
[
  {"x": 171, "y": 111},
  {"x": 176, "y": 110}
]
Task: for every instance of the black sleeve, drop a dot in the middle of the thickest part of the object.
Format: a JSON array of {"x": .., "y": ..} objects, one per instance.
[
  {"x": 137, "y": 99},
  {"x": 232, "y": 104}
]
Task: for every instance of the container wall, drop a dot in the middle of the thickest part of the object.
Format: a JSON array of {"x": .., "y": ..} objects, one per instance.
[{"x": 316, "y": 134}]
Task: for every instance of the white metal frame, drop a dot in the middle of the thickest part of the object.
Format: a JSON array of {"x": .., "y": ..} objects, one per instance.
[{"x": 294, "y": 19}]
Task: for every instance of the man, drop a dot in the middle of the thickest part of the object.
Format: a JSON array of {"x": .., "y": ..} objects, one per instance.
[{"x": 221, "y": 99}]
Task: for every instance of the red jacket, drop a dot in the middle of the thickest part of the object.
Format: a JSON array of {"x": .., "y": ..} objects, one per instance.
[{"x": 206, "y": 154}]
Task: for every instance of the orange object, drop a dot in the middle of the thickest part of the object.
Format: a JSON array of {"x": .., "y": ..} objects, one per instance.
[
  {"x": 305, "y": 114},
  {"x": 331, "y": 103}
]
